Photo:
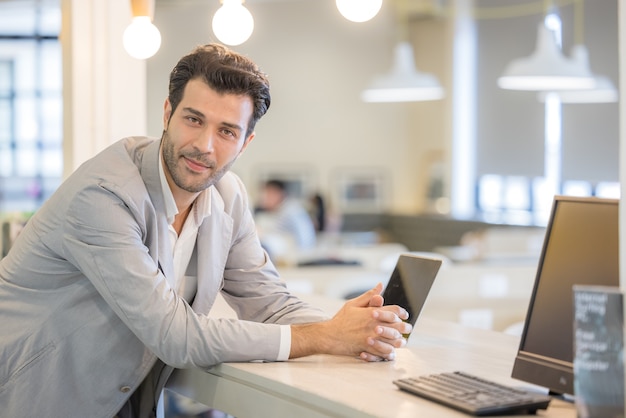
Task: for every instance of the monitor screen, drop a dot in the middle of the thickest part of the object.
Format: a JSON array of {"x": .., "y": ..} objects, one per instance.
[{"x": 580, "y": 247}]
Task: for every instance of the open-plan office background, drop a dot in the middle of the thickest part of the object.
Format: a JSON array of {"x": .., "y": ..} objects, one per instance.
[{"x": 319, "y": 133}]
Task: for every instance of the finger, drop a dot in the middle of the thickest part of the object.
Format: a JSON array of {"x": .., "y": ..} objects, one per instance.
[
  {"x": 376, "y": 301},
  {"x": 381, "y": 348},
  {"x": 364, "y": 299},
  {"x": 370, "y": 357},
  {"x": 401, "y": 312},
  {"x": 378, "y": 288},
  {"x": 395, "y": 343},
  {"x": 403, "y": 328},
  {"x": 390, "y": 315},
  {"x": 392, "y": 336},
  {"x": 388, "y": 333}
]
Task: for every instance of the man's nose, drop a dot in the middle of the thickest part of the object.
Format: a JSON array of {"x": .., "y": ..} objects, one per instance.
[{"x": 206, "y": 142}]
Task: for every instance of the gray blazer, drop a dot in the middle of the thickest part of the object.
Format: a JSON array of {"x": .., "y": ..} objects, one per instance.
[{"x": 85, "y": 308}]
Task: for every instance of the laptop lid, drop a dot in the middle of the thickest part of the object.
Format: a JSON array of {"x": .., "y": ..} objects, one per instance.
[{"x": 410, "y": 283}]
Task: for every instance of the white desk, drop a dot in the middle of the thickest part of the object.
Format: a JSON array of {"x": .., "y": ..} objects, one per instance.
[
  {"x": 485, "y": 295},
  {"x": 335, "y": 386}
]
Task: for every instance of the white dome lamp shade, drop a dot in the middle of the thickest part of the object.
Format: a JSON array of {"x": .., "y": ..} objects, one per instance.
[
  {"x": 547, "y": 69},
  {"x": 359, "y": 10},
  {"x": 403, "y": 83},
  {"x": 233, "y": 23},
  {"x": 141, "y": 38},
  {"x": 603, "y": 91}
]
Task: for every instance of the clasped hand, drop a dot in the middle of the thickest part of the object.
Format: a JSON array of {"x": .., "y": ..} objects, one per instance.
[{"x": 371, "y": 330}]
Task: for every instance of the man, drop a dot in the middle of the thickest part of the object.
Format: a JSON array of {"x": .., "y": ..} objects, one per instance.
[
  {"x": 281, "y": 217},
  {"x": 109, "y": 284}
]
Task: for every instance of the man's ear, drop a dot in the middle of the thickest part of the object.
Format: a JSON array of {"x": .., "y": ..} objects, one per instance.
[
  {"x": 246, "y": 143},
  {"x": 167, "y": 113}
]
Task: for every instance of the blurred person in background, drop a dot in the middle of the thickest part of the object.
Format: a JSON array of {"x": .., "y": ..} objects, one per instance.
[{"x": 283, "y": 222}]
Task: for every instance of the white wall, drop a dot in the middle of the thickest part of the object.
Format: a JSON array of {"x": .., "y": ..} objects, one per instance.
[
  {"x": 318, "y": 62},
  {"x": 104, "y": 89}
]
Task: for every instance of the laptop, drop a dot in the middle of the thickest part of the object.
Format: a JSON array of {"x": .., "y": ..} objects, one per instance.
[{"x": 410, "y": 283}]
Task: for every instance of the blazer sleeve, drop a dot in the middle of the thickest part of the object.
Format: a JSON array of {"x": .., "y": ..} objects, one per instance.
[
  {"x": 105, "y": 235},
  {"x": 252, "y": 285}
]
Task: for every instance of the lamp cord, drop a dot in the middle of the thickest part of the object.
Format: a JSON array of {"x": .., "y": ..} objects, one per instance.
[{"x": 579, "y": 22}]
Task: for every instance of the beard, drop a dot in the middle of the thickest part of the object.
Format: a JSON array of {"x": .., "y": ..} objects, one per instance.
[{"x": 182, "y": 177}]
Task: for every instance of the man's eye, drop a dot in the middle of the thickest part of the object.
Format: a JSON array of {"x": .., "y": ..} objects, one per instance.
[
  {"x": 193, "y": 119},
  {"x": 229, "y": 133}
]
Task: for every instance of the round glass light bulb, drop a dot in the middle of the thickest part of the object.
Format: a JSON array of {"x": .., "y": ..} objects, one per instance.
[
  {"x": 233, "y": 23},
  {"x": 141, "y": 38},
  {"x": 359, "y": 10}
]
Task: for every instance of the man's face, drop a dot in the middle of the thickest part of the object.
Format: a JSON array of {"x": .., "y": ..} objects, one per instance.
[
  {"x": 271, "y": 197},
  {"x": 203, "y": 137}
]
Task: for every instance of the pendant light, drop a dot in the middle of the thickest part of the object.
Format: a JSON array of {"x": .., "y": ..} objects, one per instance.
[
  {"x": 403, "y": 83},
  {"x": 359, "y": 10},
  {"x": 546, "y": 69},
  {"x": 603, "y": 90},
  {"x": 141, "y": 38},
  {"x": 233, "y": 23}
]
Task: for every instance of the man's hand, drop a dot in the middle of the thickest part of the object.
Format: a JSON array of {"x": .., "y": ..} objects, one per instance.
[
  {"x": 363, "y": 327},
  {"x": 377, "y": 301}
]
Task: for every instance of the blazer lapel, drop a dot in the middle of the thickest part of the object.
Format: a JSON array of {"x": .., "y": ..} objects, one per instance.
[
  {"x": 150, "y": 173},
  {"x": 212, "y": 245}
]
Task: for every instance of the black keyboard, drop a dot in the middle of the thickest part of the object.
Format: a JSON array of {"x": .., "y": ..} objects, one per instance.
[{"x": 473, "y": 395}]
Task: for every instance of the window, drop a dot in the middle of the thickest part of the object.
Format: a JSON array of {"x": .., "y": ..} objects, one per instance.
[
  {"x": 519, "y": 200},
  {"x": 528, "y": 151},
  {"x": 31, "y": 119}
]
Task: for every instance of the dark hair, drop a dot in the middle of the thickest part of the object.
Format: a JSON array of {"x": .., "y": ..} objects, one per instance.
[
  {"x": 277, "y": 184},
  {"x": 225, "y": 71}
]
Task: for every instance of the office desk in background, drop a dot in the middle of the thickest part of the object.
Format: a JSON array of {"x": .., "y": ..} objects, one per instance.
[
  {"x": 337, "y": 386},
  {"x": 480, "y": 294}
]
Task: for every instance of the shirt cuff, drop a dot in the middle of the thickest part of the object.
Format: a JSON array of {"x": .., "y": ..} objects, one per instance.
[{"x": 285, "y": 343}]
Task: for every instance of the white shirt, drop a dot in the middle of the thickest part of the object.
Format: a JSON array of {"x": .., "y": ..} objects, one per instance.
[{"x": 182, "y": 247}]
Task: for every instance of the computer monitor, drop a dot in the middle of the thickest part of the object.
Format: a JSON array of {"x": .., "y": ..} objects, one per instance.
[{"x": 580, "y": 247}]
